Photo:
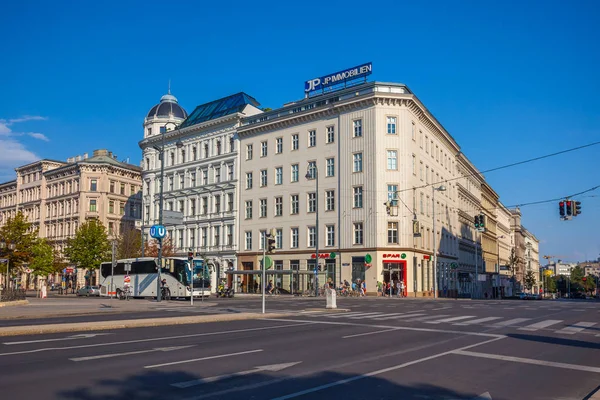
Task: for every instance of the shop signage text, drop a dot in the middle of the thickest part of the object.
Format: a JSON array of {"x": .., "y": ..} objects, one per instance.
[
  {"x": 321, "y": 255},
  {"x": 338, "y": 77}
]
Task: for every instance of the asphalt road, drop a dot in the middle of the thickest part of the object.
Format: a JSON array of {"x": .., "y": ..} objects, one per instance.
[{"x": 381, "y": 349}]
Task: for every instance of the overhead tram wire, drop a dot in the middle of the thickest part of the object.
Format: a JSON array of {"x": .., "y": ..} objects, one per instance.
[{"x": 504, "y": 166}]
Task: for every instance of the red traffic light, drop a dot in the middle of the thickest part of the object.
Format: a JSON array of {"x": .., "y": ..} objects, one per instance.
[
  {"x": 584, "y": 279},
  {"x": 562, "y": 203},
  {"x": 568, "y": 203},
  {"x": 190, "y": 254}
]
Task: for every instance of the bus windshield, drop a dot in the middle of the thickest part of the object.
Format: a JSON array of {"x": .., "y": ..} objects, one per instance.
[{"x": 201, "y": 274}]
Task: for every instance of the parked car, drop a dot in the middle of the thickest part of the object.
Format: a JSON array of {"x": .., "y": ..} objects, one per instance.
[{"x": 89, "y": 291}]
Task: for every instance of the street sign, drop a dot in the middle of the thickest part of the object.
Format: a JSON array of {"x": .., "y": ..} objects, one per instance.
[
  {"x": 158, "y": 231},
  {"x": 172, "y": 217},
  {"x": 368, "y": 259},
  {"x": 268, "y": 262}
]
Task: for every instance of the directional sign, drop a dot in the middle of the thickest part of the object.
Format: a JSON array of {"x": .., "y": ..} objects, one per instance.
[
  {"x": 171, "y": 217},
  {"x": 158, "y": 231}
]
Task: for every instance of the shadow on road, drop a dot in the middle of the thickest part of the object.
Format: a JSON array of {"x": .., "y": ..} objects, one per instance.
[
  {"x": 157, "y": 385},
  {"x": 555, "y": 340}
]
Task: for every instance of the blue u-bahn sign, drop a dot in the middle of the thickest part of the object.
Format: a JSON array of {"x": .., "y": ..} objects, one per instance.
[
  {"x": 344, "y": 76},
  {"x": 158, "y": 231}
]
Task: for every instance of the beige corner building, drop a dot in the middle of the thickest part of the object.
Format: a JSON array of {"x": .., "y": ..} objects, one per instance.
[{"x": 57, "y": 197}]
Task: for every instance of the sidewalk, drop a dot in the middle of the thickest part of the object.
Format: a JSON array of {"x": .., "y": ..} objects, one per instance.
[{"x": 70, "y": 305}]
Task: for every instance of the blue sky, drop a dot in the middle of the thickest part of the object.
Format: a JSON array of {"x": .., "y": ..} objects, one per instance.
[{"x": 510, "y": 80}]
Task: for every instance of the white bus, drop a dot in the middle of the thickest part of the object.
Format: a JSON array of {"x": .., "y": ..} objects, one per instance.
[{"x": 178, "y": 272}]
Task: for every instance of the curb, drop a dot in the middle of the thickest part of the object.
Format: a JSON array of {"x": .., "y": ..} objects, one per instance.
[
  {"x": 14, "y": 303},
  {"x": 138, "y": 323},
  {"x": 332, "y": 310}
]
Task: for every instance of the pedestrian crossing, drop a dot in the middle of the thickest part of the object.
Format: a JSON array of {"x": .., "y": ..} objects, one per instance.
[{"x": 522, "y": 324}]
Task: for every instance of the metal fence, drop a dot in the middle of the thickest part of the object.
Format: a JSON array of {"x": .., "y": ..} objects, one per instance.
[{"x": 12, "y": 294}]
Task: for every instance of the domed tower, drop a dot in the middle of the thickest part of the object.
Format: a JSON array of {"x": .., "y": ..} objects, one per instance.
[{"x": 168, "y": 113}]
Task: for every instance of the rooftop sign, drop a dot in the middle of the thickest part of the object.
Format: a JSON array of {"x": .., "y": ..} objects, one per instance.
[{"x": 340, "y": 77}]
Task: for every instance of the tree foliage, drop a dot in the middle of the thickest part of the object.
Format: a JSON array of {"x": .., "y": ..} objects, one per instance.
[
  {"x": 513, "y": 261},
  {"x": 17, "y": 231},
  {"x": 90, "y": 246},
  {"x": 42, "y": 260},
  {"x": 152, "y": 249},
  {"x": 529, "y": 280},
  {"x": 129, "y": 243}
]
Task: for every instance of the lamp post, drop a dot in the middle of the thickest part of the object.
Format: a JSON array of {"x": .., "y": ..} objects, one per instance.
[
  {"x": 498, "y": 247},
  {"x": 442, "y": 188},
  {"x": 313, "y": 173},
  {"x": 161, "y": 152},
  {"x": 11, "y": 247}
]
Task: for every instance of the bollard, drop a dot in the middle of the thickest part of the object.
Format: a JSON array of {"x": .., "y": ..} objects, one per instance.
[{"x": 331, "y": 298}]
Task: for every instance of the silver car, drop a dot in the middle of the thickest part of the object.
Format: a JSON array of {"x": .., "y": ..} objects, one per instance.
[{"x": 89, "y": 291}]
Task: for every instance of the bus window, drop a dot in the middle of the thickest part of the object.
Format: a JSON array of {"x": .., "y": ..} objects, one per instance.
[
  {"x": 201, "y": 274},
  {"x": 179, "y": 270}
]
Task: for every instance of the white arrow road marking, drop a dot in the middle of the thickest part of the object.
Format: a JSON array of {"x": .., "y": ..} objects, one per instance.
[
  {"x": 129, "y": 353},
  {"x": 81, "y": 336},
  {"x": 483, "y": 396},
  {"x": 271, "y": 368},
  {"x": 203, "y": 358}
]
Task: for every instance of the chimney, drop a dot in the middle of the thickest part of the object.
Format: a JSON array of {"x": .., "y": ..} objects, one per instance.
[
  {"x": 85, "y": 156},
  {"x": 100, "y": 152}
]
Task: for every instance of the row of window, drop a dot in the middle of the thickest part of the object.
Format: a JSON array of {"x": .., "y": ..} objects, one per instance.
[
  {"x": 93, "y": 207},
  {"x": 193, "y": 154},
  {"x": 357, "y": 131},
  {"x": 63, "y": 229},
  {"x": 133, "y": 189},
  {"x": 62, "y": 188},
  {"x": 30, "y": 194},
  {"x": 8, "y": 200},
  {"x": 204, "y": 240},
  {"x": 311, "y": 203}
]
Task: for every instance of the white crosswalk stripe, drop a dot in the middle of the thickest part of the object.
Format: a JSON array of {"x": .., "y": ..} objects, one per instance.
[
  {"x": 452, "y": 319},
  {"x": 478, "y": 321},
  {"x": 419, "y": 319},
  {"x": 510, "y": 322},
  {"x": 348, "y": 315},
  {"x": 576, "y": 328},
  {"x": 540, "y": 325},
  {"x": 412, "y": 314},
  {"x": 369, "y": 315}
]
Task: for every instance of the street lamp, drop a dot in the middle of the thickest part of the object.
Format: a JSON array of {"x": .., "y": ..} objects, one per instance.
[
  {"x": 313, "y": 173},
  {"x": 161, "y": 152},
  {"x": 442, "y": 188},
  {"x": 11, "y": 247}
]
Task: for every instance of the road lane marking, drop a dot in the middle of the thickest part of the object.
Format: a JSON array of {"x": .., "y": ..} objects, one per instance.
[
  {"x": 130, "y": 353},
  {"x": 576, "y": 328},
  {"x": 201, "y": 381},
  {"x": 355, "y": 313},
  {"x": 510, "y": 322},
  {"x": 83, "y": 346},
  {"x": 381, "y": 371},
  {"x": 399, "y": 316},
  {"x": 368, "y": 333},
  {"x": 428, "y": 317},
  {"x": 403, "y": 328},
  {"x": 203, "y": 358},
  {"x": 452, "y": 319},
  {"x": 540, "y": 325},
  {"x": 528, "y": 361},
  {"x": 72, "y": 337},
  {"x": 478, "y": 321}
]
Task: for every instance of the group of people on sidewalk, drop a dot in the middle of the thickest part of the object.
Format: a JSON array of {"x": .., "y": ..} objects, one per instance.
[{"x": 391, "y": 289}]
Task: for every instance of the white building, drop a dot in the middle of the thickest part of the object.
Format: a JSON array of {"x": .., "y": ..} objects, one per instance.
[
  {"x": 200, "y": 173},
  {"x": 372, "y": 143}
]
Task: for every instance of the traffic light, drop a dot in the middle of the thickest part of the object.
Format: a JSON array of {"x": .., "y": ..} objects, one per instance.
[
  {"x": 576, "y": 208},
  {"x": 482, "y": 222},
  {"x": 477, "y": 222},
  {"x": 271, "y": 242},
  {"x": 561, "y": 208},
  {"x": 584, "y": 279},
  {"x": 190, "y": 255},
  {"x": 569, "y": 208}
]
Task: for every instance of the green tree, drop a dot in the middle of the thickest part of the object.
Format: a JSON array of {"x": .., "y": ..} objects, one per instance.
[
  {"x": 550, "y": 284},
  {"x": 152, "y": 249},
  {"x": 529, "y": 280},
  {"x": 90, "y": 246},
  {"x": 42, "y": 260},
  {"x": 129, "y": 243},
  {"x": 17, "y": 231}
]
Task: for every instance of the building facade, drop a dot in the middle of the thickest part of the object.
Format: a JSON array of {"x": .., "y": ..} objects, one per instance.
[
  {"x": 201, "y": 174},
  {"x": 383, "y": 161},
  {"x": 57, "y": 197}
]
